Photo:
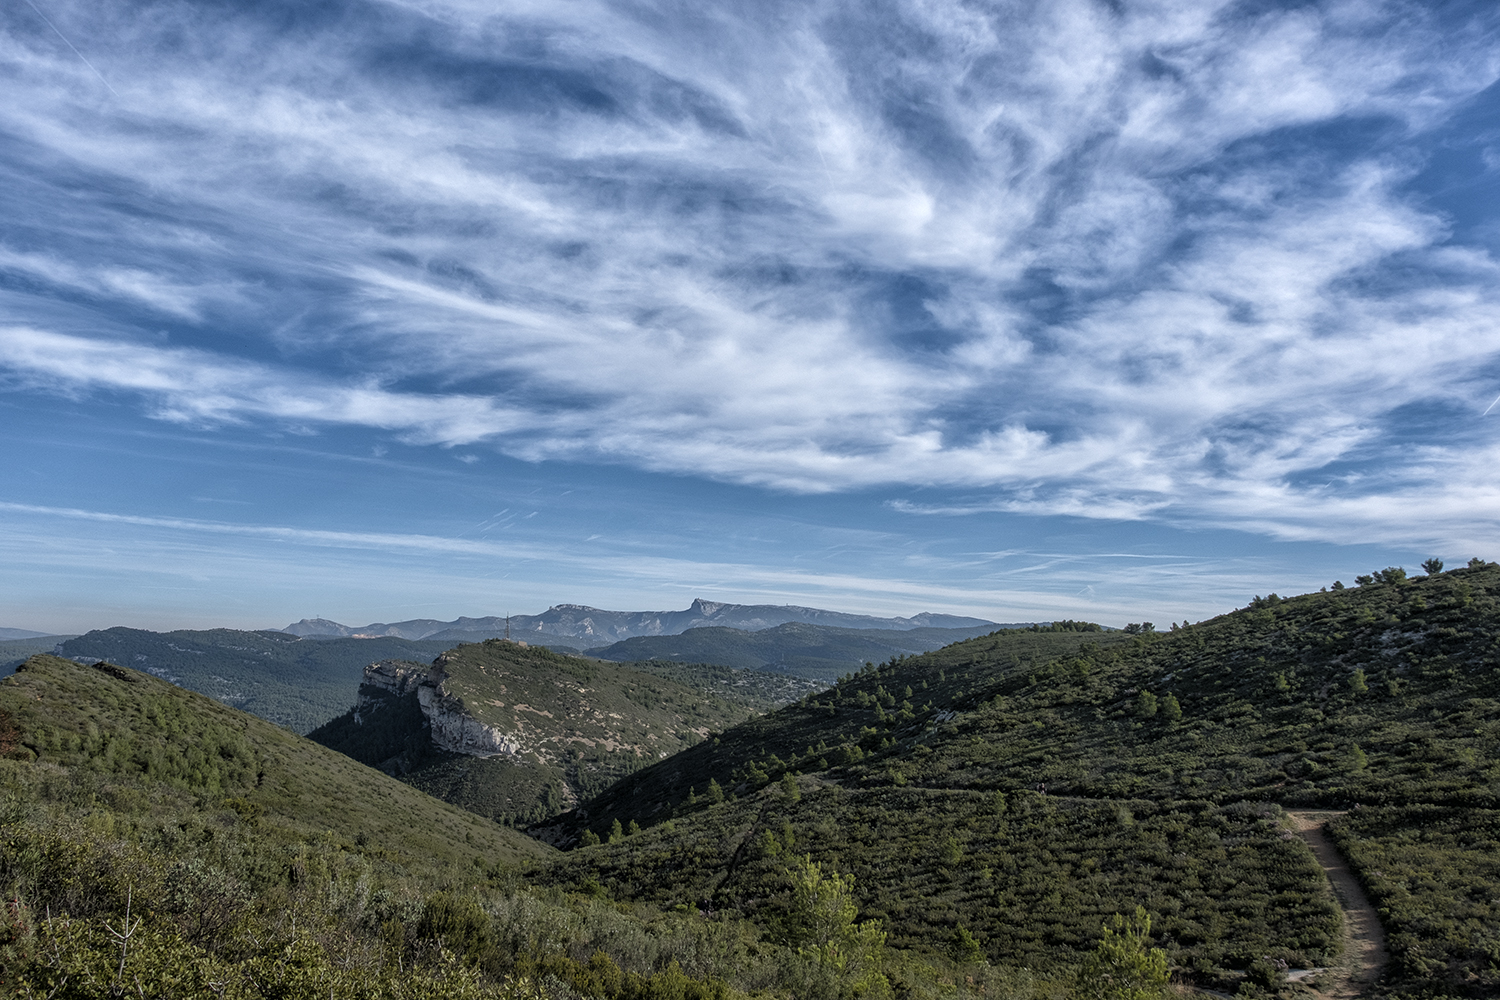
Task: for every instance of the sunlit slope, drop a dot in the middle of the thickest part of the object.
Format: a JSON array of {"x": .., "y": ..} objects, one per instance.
[
  {"x": 107, "y": 720},
  {"x": 1382, "y": 693}
]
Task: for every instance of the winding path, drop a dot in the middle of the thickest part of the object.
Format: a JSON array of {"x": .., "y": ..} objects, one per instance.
[{"x": 1365, "y": 954}]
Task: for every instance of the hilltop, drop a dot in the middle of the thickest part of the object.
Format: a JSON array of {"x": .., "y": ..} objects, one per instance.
[
  {"x": 519, "y": 733},
  {"x": 155, "y": 842},
  {"x": 1023, "y": 785}
]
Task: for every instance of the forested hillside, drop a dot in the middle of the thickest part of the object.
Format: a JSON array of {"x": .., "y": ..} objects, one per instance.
[
  {"x": 960, "y": 823},
  {"x": 1019, "y": 786}
]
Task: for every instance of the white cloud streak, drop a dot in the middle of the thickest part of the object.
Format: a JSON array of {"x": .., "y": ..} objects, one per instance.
[{"x": 1120, "y": 265}]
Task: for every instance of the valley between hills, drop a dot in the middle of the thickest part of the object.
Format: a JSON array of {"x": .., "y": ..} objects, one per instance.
[{"x": 1042, "y": 811}]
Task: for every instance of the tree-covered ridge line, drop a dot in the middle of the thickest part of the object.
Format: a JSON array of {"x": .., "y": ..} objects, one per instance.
[
  {"x": 1325, "y": 699},
  {"x": 825, "y": 729}
]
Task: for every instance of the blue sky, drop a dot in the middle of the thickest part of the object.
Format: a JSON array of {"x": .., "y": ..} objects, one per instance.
[{"x": 1111, "y": 310}]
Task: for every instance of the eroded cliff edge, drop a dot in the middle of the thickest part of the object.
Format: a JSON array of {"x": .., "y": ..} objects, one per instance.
[{"x": 518, "y": 733}]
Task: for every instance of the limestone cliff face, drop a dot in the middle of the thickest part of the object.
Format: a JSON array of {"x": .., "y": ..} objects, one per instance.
[
  {"x": 453, "y": 728},
  {"x": 394, "y": 678}
]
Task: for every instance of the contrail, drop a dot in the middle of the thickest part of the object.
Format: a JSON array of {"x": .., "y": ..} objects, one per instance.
[
  {"x": 1487, "y": 409},
  {"x": 74, "y": 48}
]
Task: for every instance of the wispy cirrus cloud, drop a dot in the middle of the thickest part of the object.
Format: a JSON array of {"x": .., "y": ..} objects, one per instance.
[
  {"x": 197, "y": 387},
  {"x": 1169, "y": 261}
]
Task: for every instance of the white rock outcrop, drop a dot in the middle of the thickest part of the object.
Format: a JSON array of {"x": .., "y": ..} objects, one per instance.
[
  {"x": 453, "y": 728},
  {"x": 394, "y": 677}
]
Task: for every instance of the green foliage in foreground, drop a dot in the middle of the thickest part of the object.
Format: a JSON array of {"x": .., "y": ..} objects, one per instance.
[
  {"x": 178, "y": 901},
  {"x": 1029, "y": 877},
  {"x": 1124, "y": 966},
  {"x": 192, "y": 881}
]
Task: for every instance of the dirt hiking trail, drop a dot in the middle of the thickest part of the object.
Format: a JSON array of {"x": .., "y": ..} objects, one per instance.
[{"x": 1364, "y": 955}]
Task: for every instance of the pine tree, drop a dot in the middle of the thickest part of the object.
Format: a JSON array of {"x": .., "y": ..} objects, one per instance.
[
  {"x": 821, "y": 926},
  {"x": 1122, "y": 967}
]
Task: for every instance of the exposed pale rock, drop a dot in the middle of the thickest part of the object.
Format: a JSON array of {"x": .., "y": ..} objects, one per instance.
[
  {"x": 395, "y": 677},
  {"x": 453, "y": 728}
]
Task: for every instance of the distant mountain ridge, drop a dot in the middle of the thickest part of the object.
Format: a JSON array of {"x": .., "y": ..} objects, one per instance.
[
  {"x": 600, "y": 627},
  {"x": 22, "y": 633}
]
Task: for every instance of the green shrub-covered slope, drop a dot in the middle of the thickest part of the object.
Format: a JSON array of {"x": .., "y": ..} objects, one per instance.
[
  {"x": 580, "y": 725},
  {"x": 1020, "y": 785},
  {"x": 107, "y": 724},
  {"x": 156, "y": 843}
]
